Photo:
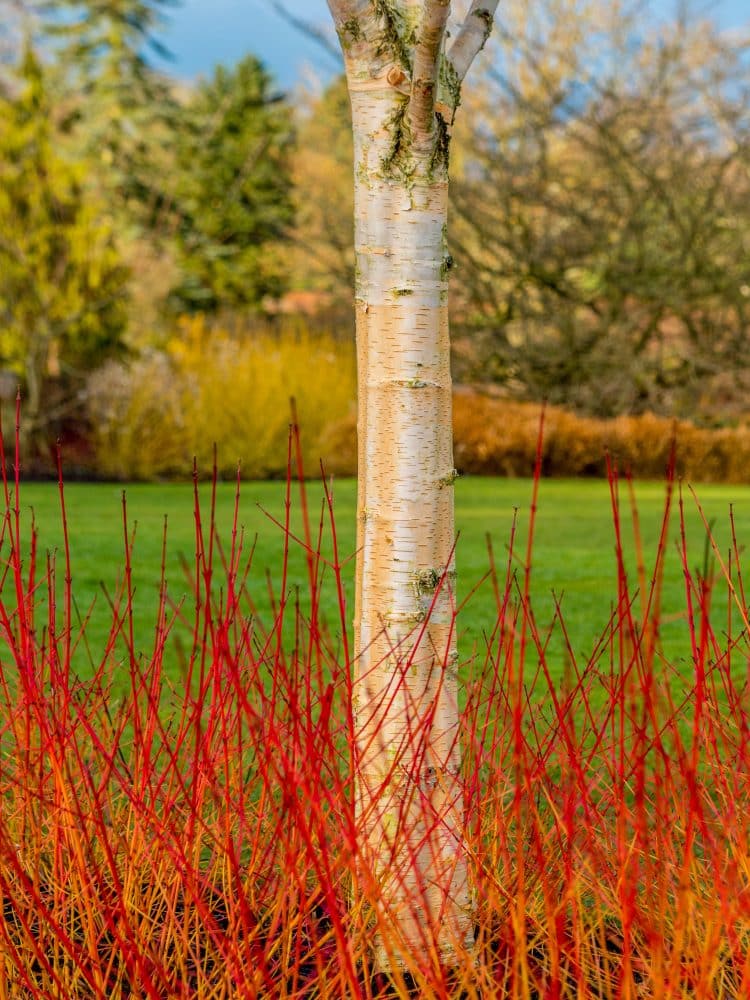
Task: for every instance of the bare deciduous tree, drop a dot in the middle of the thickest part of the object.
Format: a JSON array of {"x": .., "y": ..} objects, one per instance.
[{"x": 600, "y": 214}]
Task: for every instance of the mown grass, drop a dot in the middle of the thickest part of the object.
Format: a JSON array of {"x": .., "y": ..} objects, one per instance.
[{"x": 573, "y": 558}]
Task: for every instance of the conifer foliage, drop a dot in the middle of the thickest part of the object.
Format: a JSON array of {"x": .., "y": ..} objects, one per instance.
[{"x": 62, "y": 283}]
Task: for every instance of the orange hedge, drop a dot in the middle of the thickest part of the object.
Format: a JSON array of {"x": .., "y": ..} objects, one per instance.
[{"x": 498, "y": 437}]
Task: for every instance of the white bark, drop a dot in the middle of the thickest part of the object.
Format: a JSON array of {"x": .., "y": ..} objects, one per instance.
[
  {"x": 425, "y": 73},
  {"x": 410, "y": 797},
  {"x": 472, "y": 36},
  {"x": 413, "y": 865}
]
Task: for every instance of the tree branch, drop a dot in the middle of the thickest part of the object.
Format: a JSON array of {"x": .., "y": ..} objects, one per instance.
[
  {"x": 349, "y": 14},
  {"x": 354, "y": 20},
  {"x": 341, "y": 11},
  {"x": 473, "y": 34},
  {"x": 425, "y": 73}
]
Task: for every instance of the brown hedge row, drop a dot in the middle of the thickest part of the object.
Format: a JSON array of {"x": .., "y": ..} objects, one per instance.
[
  {"x": 498, "y": 437},
  {"x": 493, "y": 436}
]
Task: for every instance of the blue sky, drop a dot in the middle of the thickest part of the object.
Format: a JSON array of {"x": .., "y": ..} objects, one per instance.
[{"x": 202, "y": 33}]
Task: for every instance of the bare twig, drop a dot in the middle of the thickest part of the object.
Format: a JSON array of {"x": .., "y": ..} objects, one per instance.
[{"x": 474, "y": 32}]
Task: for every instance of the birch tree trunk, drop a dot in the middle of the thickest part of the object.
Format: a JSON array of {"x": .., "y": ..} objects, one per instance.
[{"x": 404, "y": 91}]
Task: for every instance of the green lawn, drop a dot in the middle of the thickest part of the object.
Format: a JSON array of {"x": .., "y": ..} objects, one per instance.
[{"x": 573, "y": 551}]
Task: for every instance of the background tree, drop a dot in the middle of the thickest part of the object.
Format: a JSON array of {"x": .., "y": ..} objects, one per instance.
[
  {"x": 124, "y": 108},
  {"x": 232, "y": 190},
  {"x": 404, "y": 86},
  {"x": 322, "y": 241},
  {"x": 62, "y": 284},
  {"x": 124, "y": 119},
  {"x": 602, "y": 215}
]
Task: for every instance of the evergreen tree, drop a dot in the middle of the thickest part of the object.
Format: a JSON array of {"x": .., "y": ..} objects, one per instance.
[
  {"x": 62, "y": 285},
  {"x": 125, "y": 108},
  {"x": 233, "y": 190},
  {"x": 324, "y": 201}
]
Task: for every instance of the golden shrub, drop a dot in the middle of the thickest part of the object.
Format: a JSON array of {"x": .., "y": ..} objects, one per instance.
[{"x": 210, "y": 386}]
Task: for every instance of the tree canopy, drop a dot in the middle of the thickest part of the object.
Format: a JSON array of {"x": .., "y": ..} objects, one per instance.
[
  {"x": 232, "y": 190},
  {"x": 62, "y": 284},
  {"x": 598, "y": 220}
]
